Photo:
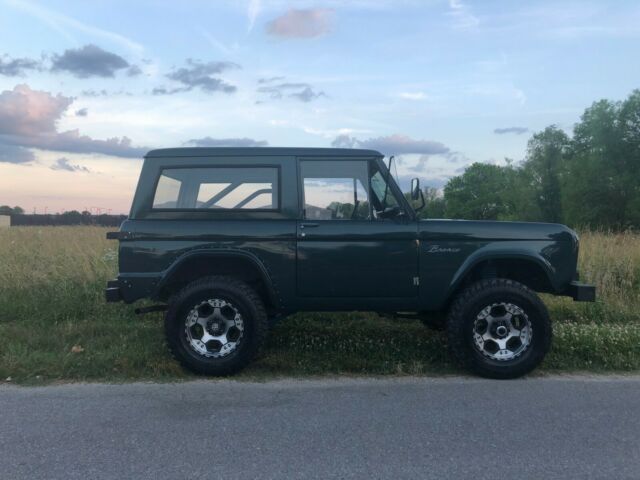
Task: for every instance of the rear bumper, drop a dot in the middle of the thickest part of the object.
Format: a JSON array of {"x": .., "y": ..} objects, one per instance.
[
  {"x": 113, "y": 293},
  {"x": 581, "y": 292}
]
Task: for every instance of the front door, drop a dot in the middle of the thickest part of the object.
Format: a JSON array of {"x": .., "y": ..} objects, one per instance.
[{"x": 354, "y": 238}]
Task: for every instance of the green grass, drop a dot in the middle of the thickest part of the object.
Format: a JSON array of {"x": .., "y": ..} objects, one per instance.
[{"x": 51, "y": 300}]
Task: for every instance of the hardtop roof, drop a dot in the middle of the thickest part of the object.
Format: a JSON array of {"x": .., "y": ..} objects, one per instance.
[{"x": 261, "y": 151}]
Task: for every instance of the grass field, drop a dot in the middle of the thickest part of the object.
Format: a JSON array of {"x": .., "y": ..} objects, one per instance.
[{"x": 55, "y": 325}]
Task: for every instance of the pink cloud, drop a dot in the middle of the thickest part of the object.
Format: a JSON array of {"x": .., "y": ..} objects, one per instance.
[
  {"x": 307, "y": 23},
  {"x": 28, "y": 119}
]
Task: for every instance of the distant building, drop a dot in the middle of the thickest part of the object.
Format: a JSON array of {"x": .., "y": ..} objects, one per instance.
[{"x": 5, "y": 220}]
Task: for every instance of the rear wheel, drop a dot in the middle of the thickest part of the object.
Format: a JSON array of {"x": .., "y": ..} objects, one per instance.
[
  {"x": 216, "y": 325},
  {"x": 499, "y": 328}
]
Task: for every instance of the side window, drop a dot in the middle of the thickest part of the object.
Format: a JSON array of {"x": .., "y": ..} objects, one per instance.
[
  {"x": 335, "y": 190},
  {"x": 218, "y": 188},
  {"x": 167, "y": 192}
]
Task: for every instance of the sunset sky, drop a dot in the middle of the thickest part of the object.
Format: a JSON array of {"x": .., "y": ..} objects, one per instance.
[{"x": 87, "y": 87}]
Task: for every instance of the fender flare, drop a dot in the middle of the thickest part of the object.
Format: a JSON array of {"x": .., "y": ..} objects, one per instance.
[
  {"x": 483, "y": 255},
  {"x": 222, "y": 253}
]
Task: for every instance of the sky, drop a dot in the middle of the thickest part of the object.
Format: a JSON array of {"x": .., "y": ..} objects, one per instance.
[{"x": 86, "y": 88}]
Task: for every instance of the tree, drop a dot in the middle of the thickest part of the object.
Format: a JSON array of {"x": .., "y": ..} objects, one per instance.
[
  {"x": 72, "y": 217},
  {"x": 542, "y": 171},
  {"x": 7, "y": 210},
  {"x": 603, "y": 179},
  {"x": 482, "y": 192},
  {"x": 434, "y": 206}
]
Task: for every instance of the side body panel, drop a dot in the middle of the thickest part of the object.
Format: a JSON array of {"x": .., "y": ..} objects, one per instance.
[
  {"x": 451, "y": 248},
  {"x": 357, "y": 259}
]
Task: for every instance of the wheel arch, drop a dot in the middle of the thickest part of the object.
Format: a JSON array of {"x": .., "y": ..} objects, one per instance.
[
  {"x": 239, "y": 264},
  {"x": 529, "y": 268}
]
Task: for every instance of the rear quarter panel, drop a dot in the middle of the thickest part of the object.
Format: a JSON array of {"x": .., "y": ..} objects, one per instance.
[{"x": 156, "y": 245}]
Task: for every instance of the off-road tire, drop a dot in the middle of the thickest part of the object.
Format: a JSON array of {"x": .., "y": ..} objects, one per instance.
[
  {"x": 246, "y": 300},
  {"x": 462, "y": 316}
]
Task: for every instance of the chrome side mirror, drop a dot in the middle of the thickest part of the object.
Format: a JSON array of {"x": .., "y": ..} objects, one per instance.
[
  {"x": 415, "y": 188},
  {"x": 416, "y": 193}
]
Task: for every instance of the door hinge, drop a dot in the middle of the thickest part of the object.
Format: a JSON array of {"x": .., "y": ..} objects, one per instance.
[{"x": 416, "y": 281}]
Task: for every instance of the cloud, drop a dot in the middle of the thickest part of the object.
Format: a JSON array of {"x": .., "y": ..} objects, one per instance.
[
  {"x": 16, "y": 67},
  {"x": 462, "y": 15},
  {"x": 307, "y": 94},
  {"x": 270, "y": 79},
  {"x": 13, "y": 154},
  {"x": 306, "y": 23},
  {"x": 95, "y": 93},
  {"x": 28, "y": 119},
  {"x": 516, "y": 130},
  {"x": 253, "y": 10},
  {"x": 421, "y": 165},
  {"x": 226, "y": 142},
  {"x": 104, "y": 93},
  {"x": 63, "y": 164},
  {"x": 89, "y": 61},
  {"x": 298, "y": 91},
  {"x": 344, "y": 141},
  {"x": 394, "y": 145},
  {"x": 199, "y": 75},
  {"x": 413, "y": 95},
  {"x": 83, "y": 112},
  {"x": 225, "y": 49},
  {"x": 134, "y": 71},
  {"x": 62, "y": 23},
  {"x": 26, "y": 112},
  {"x": 167, "y": 91}
]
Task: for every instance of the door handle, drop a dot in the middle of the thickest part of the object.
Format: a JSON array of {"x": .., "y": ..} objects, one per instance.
[{"x": 308, "y": 225}]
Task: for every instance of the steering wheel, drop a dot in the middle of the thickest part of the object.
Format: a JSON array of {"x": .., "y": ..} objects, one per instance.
[{"x": 389, "y": 212}]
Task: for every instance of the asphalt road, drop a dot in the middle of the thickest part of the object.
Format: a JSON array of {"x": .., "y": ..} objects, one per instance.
[{"x": 571, "y": 427}]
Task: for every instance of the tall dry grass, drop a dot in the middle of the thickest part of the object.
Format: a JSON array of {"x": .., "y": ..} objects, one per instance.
[
  {"x": 612, "y": 262},
  {"x": 51, "y": 298},
  {"x": 59, "y": 270}
]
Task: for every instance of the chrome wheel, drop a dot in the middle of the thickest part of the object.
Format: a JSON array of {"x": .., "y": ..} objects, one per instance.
[
  {"x": 502, "y": 331},
  {"x": 214, "y": 328}
]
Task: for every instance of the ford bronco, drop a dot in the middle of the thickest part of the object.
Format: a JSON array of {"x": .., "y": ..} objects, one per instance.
[{"x": 231, "y": 239}]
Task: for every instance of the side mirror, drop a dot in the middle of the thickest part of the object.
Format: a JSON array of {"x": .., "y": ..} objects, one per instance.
[
  {"x": 416, "y": 193},
  {"x": 415, "y": 188}
]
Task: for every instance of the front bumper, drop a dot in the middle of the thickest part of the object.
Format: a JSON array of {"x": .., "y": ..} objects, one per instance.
[
  {"x": 113, "y": 293},
  {"x": 581, "y": 292}
]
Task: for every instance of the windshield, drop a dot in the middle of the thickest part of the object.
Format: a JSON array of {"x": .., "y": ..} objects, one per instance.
[{"x": 385, "y": 203}]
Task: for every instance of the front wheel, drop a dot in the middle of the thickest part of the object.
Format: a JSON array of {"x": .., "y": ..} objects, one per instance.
[
  {"x": 216, "y": 325},
  {"x": 499, "y": 328}
]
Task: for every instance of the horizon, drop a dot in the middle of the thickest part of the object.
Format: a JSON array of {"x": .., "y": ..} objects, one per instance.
[{"x": 86, "y": 90}]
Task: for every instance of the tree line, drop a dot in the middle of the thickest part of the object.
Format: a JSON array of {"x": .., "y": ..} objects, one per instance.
[
  {"x": 73, "y": 217},
  {"x": 588, "y": 179},
  {"x": 7, "y": 210}
]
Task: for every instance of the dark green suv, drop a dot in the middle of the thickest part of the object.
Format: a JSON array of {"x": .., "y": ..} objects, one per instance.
[{"x": 231, "y": 239}]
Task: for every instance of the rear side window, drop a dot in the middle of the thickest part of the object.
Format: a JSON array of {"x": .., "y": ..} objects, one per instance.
[{"x": 218, "y": 188}]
